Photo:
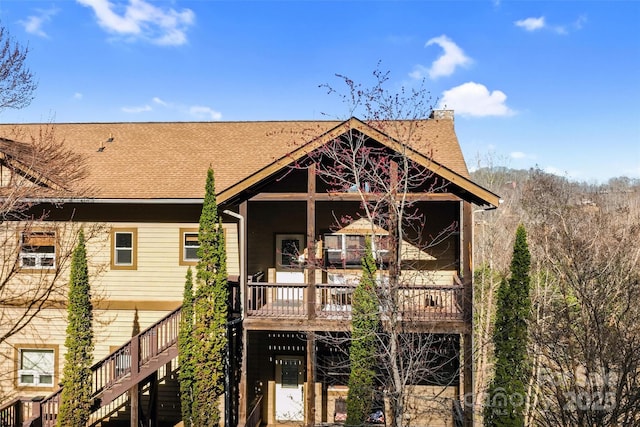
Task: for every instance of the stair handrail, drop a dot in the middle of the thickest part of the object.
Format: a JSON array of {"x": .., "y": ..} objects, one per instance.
[
  {"x": 127, "y": 359},
  {"x": 13, "y": 412}
]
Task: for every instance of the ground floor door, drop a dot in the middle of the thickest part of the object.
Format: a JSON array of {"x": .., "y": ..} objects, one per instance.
[{"x": 289, "y": 397}]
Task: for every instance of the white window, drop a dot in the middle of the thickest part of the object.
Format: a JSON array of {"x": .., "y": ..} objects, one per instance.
[
  {"x": 333, "y": 249},
  {"x": 123, "y": 249},
  {"x": 36, "y": 367},
  {"x": 347, "y": 250},
  {"x": 191, "y": 245},
  {"x": 38, "y": 249}
]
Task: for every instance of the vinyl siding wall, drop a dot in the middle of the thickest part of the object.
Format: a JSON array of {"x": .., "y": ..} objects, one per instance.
[{"x": 122, "y": 298}]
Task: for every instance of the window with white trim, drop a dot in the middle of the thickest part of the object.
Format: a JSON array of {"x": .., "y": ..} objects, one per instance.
[
  {"x": 36, "y": 367},
  {"x": 38, "y": 249},
  {"x": 189, "y": 245},
  {"x": 347, "y": 250},
  {"x": 123, "y": 249}
]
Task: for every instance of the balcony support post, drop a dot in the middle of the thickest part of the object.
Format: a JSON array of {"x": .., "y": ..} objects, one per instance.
[{"x": 310, "y": 398}]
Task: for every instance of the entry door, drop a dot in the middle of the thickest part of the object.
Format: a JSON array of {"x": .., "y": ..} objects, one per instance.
[
  {"x": 289, "y": 249},
  {"x": 293, "y": 293},
  {"x": 289, "y": 390}
]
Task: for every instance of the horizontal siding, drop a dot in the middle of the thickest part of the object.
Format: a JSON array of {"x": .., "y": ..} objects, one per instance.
[
  {"x": 154, "y": 289},
  {"x": 159, "y": 275},
  {"x": 112, "y": 329}
]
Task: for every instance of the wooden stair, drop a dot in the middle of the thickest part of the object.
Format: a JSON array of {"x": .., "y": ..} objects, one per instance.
[{"x": 123, "y": 369}]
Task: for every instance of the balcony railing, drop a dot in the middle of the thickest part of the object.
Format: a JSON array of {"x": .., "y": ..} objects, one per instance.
[{"x": 330, "y": 301}]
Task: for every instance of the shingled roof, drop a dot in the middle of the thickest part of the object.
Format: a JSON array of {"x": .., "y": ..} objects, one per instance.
[{"x": 169, "y": 160}]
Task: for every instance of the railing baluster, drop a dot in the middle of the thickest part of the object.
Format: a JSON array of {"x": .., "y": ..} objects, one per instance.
[
  {"x": 125, "y": 361},
  {"x": 420, "y": 302}
]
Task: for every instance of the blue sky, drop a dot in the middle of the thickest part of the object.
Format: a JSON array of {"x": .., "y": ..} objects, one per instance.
[{"x": 553, "y": 84}]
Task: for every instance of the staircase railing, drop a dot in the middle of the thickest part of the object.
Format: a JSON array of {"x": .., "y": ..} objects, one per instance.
[
  {"x": 16, "y": 411},
  {"x": 255, "y": 415},
  {"x": 122, "y": 369}
]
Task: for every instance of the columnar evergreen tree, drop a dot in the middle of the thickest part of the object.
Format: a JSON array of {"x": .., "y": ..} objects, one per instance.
[
  {"x": 76, "y": 379},
  {"x": 210, "y": 313},
  {"x": 185, "y": 351},
  {"x": 506, "y": 394},
  {"x": 362, "y": 354}
]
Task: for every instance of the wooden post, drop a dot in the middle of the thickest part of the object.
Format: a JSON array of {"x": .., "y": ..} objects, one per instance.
[
  {"x": 310, "y": 392},
  {"x": 134, "y": 404},
  {"x": 310, "y": 399},
  {"x": 134, "y": 392},
  {"x": 311, "y": 247},
  {"x": 153, "y": 399}
]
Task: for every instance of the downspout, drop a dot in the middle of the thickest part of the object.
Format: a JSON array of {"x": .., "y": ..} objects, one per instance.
[
  {"x": 241, "y": 246},
  {"x": 242, "y": 280}
]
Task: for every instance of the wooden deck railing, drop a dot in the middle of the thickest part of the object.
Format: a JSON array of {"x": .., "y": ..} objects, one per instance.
[
  {"x": 127, "y": 362},
  {"x": 16, "y": 411},
  {"x": 128, "y": 365},
  {"x": 421, "y": 302}
]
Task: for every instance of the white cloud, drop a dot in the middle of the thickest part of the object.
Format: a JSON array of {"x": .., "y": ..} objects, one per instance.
[
  {"x": 205, "y": 113},
  {"x": 535, "y": 24},
  {"x": 199, "y": 112},
  {"x": 140, "y": 19},
  {"x": 518, "y": 155},
  {"x": 77, "y": 95},
  {"x": 474, "y": 99},
  {"x": 531, "y": 24},
  {"x": 136, "y": 110},
  {"x": 34, "y": 23},
  {"x": 579, "y": 23},
  {"x": 160, "y": 102},
  {"x": 446, "y": 63},
  {"x": 419, "y": 72}
]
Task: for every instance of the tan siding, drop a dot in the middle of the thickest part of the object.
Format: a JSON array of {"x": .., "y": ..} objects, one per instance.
[
  {"x": 112, "y": 328},
  {"x": 158, "y": 281},
  {"x": 159, "y": 275}
]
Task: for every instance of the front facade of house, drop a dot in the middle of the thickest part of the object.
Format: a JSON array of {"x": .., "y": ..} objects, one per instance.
[{"x": 294, "y": 245}]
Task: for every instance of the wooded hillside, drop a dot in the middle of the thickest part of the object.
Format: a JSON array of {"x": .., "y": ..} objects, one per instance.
[{"x": 584, "y": 333}]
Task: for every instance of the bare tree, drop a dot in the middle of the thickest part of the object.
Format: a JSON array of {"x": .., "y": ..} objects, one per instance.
[
  {"x": 34, "y": 255},
  {"x": 17, "y": 83},
  {"x": 387, "y": 181},
  {"x": 586, "y": 339}
]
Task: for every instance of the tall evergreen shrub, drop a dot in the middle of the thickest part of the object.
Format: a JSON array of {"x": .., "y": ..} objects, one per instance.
[
  {"x": 362, "y": 354},
  {"x": 75, "y": 400},
  {"x": 210, "y": 313},
  {"x": 507, "y": 391},
  {"x": 185, "y": 351}
]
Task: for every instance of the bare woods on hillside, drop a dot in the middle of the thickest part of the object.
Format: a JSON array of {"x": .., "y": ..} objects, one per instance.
[{"x": 584, "y": 337}]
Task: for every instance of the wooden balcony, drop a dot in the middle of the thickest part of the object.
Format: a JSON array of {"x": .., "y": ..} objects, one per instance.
[{"x": 331, "y": 302}]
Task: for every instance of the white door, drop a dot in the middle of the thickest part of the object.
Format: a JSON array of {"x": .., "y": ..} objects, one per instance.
[
  {"x": 293, "y": 293},
  {"x": 289, "y": 390}
]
